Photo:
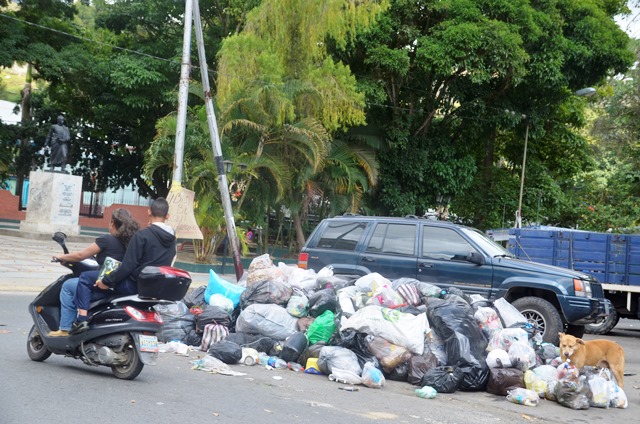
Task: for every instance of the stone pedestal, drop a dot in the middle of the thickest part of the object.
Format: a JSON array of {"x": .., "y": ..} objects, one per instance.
[{"x": 54, "y": 203}]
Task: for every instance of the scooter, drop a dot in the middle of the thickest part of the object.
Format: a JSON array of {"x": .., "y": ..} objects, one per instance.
[{"x": 122, "y": 329}]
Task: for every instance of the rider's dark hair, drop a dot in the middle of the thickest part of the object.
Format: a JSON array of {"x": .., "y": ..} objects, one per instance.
[
  {"x": 159, "y": 208},
  {"x": 125, "y": 225}
]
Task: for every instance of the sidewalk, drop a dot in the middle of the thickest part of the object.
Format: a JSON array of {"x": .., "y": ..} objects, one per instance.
[{"x": 25, "y": 261}]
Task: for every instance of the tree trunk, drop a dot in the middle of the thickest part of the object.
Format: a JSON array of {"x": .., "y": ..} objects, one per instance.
[
  {"x": 297, "y": 225},
  {"x": 24, "y": 162}
]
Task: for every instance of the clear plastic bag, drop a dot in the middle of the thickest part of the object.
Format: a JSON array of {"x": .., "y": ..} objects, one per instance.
[
  {"x": 523, "y": 397},
  {"x": 389, "y": 355},
  {"x": 297, "y": 305},
  {"x": 509, "y": 314},
  {"x": 488, "y": 320},
  {"x": 344, "y": 376},
  {"x": 335, "y": 357},
  {"x": 372, "y": 376},
  {"x": 522, "y": 356}
]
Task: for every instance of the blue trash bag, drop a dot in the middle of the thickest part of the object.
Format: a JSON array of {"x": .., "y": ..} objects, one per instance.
[{"x": 229, "y": 290}]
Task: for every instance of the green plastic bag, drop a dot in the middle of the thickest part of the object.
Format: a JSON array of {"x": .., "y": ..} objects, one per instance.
[{"x": 322, "y": 328}]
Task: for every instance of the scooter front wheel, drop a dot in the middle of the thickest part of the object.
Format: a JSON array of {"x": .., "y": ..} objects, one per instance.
[
  {"x": 35, "y": 346},
  {"x": 133, "y": 366}
]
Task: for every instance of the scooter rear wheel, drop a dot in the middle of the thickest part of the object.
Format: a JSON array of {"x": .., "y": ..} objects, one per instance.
[
  {"x": 35, "y": 346},
  {"x": 132, "y": 368}
]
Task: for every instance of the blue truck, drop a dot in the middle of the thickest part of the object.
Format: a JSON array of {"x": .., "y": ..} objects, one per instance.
[{"x": 614, "y": 259}]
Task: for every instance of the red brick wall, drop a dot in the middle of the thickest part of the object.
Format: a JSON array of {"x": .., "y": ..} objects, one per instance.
[
  {"x": 9, "y": 210},
  {"x": 9, "y": 207},
  {"x": 139, "y": 213}
]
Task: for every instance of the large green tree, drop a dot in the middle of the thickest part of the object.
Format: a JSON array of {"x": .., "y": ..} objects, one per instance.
[
  {"x": 113, "y": 70},
  {"x": 301, "y": 96},
  {"x": 456, "y": 82}
]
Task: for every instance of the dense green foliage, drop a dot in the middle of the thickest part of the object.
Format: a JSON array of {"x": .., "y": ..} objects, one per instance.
[
  {"x": 452, "y": 81},
  {"x": 384, "y": 107}
]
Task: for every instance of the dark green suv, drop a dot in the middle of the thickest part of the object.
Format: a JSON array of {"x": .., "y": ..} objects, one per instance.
[{"x": 449, "y": 255}]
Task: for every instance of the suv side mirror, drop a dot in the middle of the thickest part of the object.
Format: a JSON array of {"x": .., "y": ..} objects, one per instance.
[{"x": 475, "y": 258}]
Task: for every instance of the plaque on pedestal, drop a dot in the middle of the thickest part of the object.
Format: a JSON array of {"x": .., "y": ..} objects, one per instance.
[{"x": 54, "y": 203}]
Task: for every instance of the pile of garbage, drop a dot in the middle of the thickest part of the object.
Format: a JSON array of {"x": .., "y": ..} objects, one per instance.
[{"x": 370, "y": 329}]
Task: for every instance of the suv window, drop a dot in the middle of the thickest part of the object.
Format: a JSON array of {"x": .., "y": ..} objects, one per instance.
[
  {"x": 444, "y": 243},
  {"x": 341, "y": 235},
  {"x": 396, "y": 239}
]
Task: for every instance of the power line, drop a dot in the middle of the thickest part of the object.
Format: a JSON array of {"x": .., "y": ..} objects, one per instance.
[{"x": 212, "y": 72}]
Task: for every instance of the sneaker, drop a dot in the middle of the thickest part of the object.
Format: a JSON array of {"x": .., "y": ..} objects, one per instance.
[
  {"x": 79, "y": 327},
  {"x": 59, "y": 333}
]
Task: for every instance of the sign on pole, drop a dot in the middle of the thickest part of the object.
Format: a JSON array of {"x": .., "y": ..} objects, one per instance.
[{"x": 181, "y": 217}]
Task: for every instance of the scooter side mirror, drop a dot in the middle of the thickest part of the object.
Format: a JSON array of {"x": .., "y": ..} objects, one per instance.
[{"x": 60, "y": 238}]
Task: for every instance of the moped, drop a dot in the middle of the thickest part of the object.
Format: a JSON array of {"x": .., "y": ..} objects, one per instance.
[{"x": 122, "y": 329}]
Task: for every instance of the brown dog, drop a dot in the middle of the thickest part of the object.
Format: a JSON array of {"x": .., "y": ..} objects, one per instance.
[{"x": 600, "y": 353}]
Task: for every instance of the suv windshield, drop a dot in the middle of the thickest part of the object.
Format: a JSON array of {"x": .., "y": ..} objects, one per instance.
[{"x": 486, "y": 244}]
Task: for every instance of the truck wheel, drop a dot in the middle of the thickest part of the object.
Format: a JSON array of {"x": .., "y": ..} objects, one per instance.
[
  {"x": 543, "y": 315},
  {"x": 605, "y": 326}
]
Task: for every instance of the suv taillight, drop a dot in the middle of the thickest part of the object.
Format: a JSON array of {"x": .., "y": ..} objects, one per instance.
[{"x": 303, "y": 259}]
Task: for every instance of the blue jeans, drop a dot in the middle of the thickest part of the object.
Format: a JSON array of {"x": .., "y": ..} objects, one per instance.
[
  {"x": 68, "y": 309},
  {"x": 86, "y": 291}
]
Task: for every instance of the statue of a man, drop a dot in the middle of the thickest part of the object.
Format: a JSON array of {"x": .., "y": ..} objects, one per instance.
[{"x": 58, "y": 140}]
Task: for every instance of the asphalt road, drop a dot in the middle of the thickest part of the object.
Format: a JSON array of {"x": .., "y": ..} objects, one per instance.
[{"x": 63, "y": 390}]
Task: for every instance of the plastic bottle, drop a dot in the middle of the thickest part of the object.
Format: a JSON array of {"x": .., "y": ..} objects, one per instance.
[
  {"x": 295, "y": 366},
  {"x": 272, "y": 361},
  {"x": 567, "y": 369}
]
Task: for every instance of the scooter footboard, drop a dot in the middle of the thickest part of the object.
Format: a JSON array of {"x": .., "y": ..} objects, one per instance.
[{"x": 146, "y": 346}]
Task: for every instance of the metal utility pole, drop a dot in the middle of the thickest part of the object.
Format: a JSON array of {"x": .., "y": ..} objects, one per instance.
[
  {"x": 215, "y": 145},
  {"x": 183, "y": 95}
]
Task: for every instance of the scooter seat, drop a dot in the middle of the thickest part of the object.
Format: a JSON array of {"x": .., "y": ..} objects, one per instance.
[{"x": 100, "y": 302}]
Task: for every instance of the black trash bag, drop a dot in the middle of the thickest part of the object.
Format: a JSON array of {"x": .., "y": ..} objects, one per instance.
[
  {"x": 443, "y": 379},
  {"x": 334, "y": 282},
  {"x": 226, "y": 351},
  {"x": 501, "y": 380},
  {"x": 195, "y": 297},
  {"x": 264, "y": 292},
  {"x": 547, "y": 351},
  {"x": 573, "y": 392},
  {"x": 294, "y": 346},
  {"x": 255, "y": 341},
  {"x": 453, "y": 320},
  {"x": 212, "y": 315},
  {"x": 410, "y": 310},
  {"x": 276, "y": 349},
  {"x": 321, "y": 301},
  {"x": 419, "y": 365},
  {"x": 192, "y": 339},
  {"x": 356, "y": 342},
  {"x": 454, "y": 291},
  {"x": 475, "y": 378},
  {"x": 312, "y": 351},
  {"x": 399, "y": 373},
  {"x": 177, "y": 321}
]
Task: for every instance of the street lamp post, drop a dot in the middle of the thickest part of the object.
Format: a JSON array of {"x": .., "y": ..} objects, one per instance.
[
  {"x": 524, "y": 163},
  {"x": 584, "y": 92}
]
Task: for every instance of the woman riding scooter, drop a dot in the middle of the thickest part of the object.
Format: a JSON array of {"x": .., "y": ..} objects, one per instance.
[{"x": 121, "y": 228}]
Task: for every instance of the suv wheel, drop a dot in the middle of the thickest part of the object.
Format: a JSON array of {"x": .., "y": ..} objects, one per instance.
[
  {"x": 543, "y": 315},
  {"x": 605, "y": 326}
]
